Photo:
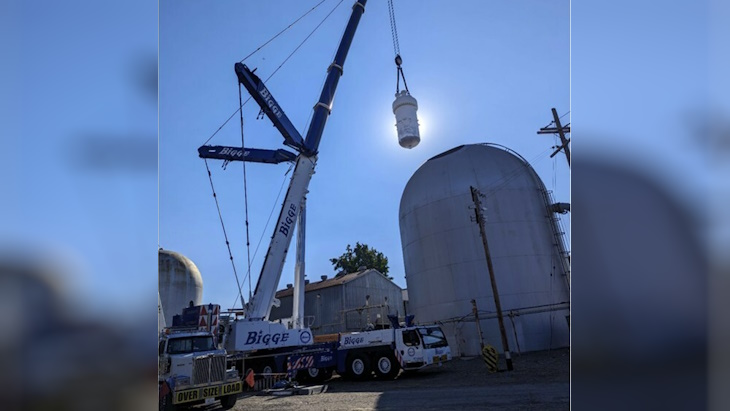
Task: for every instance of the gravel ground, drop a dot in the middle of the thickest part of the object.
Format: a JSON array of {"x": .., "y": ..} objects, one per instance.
[{"x": 539, "y": 381}]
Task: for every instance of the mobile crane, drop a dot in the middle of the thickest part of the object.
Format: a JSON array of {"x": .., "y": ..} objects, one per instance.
[{"x": 273, "y": 346}]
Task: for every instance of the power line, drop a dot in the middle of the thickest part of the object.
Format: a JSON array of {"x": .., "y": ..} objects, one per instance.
[{"x": 553, "y": 122}]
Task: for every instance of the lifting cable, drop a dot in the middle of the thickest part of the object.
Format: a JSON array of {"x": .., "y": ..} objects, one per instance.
[
  {"x": 396, "y": 49},
  {"x": 245, "y": 201},
  {"x": 266, "y": 226},
  {"x": 277, "y": 69},
  {"x": 281, "y": 32},
  {"x": 225, "y": 235}
]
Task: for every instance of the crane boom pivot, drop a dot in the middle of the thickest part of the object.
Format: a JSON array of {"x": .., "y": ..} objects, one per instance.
[{"x": 269, "y": 106}]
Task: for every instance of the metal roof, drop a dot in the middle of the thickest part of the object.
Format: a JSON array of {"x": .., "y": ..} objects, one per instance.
[{"x": 330, "y": 282}]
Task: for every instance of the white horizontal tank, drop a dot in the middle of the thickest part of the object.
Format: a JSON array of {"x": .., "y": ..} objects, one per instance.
[
  {"x": 444, "y": 257},
  {"x": 406, "y": 120}
]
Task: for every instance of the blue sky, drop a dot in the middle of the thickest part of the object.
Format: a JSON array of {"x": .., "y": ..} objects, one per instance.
[
  {"x": 80, "y": 148},
  {"x": 481, "y": 71}
]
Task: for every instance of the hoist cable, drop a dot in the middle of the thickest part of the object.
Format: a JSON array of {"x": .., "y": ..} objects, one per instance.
[
  {"x": 245, "y": 194},
  {"x": 225, "y": 235},
  {"x": 400, "y": 71},
  {"x": 279, "y": 33},
  {"x": 275, "y": 71},
  {"x": 396, "y": 49},
  {"x": 266, "y": 226},
  {"x": 393, "y": 29}
]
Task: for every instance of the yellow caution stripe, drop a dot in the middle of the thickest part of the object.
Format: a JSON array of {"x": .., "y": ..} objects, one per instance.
[{"x": 489, "y": 355}]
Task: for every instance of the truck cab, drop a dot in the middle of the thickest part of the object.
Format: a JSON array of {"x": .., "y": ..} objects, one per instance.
[
  {"x": 192, "y": 370},
  {"x": 420, "y": 346}
]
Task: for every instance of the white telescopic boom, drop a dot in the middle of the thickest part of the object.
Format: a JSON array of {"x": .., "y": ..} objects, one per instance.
[{"x": 260, "y": 304}]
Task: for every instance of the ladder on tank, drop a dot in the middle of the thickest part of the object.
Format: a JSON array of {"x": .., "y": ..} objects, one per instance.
[{"x": 556, "y": 226}]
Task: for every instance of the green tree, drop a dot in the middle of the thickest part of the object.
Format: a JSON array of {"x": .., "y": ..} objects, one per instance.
[{"x": 361, "y": 256}]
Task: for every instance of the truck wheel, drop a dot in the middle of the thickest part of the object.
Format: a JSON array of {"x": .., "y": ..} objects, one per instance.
[
  {"x": 385, "y": 366},
  {"x": 358, "y": 367},
  {"x": 228, "y": 401},
  {"x": 166, "y": 401}
]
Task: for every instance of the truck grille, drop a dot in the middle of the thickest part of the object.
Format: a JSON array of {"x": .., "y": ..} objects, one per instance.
[{"x": 209, "y": 369}]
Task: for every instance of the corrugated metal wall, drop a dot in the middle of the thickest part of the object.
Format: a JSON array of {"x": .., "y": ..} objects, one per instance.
[
  {"x": 385, "y": 298},
  {"x": 341, "y": 308}
]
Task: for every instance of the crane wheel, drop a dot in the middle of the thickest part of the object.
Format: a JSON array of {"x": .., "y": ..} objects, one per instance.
[
  {"x": 358, "y": 367},
  {"x": 386, "y": 366}
]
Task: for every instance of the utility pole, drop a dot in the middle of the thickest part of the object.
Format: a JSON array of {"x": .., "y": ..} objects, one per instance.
[
  {"x": 475, "y": 195},
  {"x": 561, "y": 130},
  {"x": 476, "y": 318}
]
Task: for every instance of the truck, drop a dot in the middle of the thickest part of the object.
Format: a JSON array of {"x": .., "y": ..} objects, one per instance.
[
  {"x": 353, "y": 355},
  {"x": 359, "y": 355},
  {"x": 192, "y": 368},
  {"x": 252, "y": 341}
]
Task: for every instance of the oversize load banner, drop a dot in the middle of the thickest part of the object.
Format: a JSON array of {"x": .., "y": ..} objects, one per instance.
[{"x": 207, "y": 392}]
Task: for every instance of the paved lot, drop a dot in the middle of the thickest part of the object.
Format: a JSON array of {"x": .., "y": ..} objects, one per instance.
[{"x": 540, "y": 381}]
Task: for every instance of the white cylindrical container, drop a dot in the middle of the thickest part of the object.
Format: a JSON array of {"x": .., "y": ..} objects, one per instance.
[{"x": 406, "y": 121}]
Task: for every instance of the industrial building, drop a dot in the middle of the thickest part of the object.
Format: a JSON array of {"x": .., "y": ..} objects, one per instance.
[
  {"x": 346, "y": 302},
  {"x": 445, "y": 260}
]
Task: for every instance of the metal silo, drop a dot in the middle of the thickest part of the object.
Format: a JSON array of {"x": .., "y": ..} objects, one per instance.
[
  {"x": 179, "y": 282},
  {"x": 445, "y": 262}
]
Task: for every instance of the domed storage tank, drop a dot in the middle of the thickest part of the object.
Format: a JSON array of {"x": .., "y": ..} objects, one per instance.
[
  {"x": 444, "y": 256},
  {"x": 179, "y": 282}
]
